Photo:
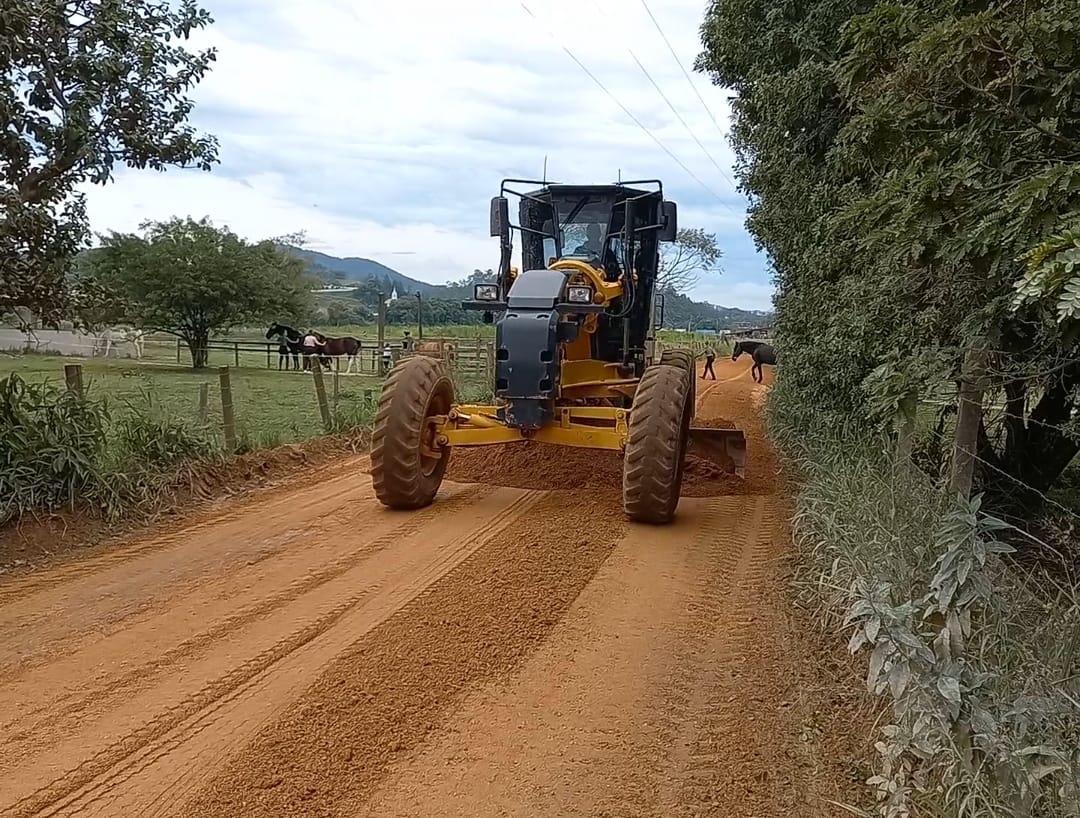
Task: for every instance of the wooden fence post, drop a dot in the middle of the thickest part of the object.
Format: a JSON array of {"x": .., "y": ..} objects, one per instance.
[
  {"x": 204, "y": 402},
  {"x": 228, "y": 418},
  {"x": 178, "y": 351},
  {"x": 905, "y": 436},
  {"x": 236, "y": 354},
  {"x": 73, "y": 379},
  {"x": 382, "y": 335},
  {"x": 337, "y": 377},
  {"x": 320, "y": 394},
  {"x": 268, "y": 364},
  {"x": 972, "y": 385}
]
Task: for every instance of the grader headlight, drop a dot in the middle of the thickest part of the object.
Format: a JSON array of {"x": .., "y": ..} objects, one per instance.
[
  {"x": 579, "y": 295},
  {"x": 486, "y": 292}
]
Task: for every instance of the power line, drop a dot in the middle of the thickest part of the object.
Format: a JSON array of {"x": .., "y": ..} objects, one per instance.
[
  {"x": 626, "y": 110},
  {"x": 682, "y": 68},
  {"x": 675, "y": 111}
]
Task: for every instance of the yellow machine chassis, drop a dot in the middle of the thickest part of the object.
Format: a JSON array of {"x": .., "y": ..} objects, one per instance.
[{"x": 586, "y": 427}]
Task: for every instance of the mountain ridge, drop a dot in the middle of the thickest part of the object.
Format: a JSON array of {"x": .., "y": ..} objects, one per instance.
[{"x": 680, "y": 311}]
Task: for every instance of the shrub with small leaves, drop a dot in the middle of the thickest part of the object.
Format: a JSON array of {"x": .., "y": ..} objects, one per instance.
[
  {"x": 975, "y": 655},
  {"x": 51, "y": 442},
  {"x": 1053, "y": 273}
]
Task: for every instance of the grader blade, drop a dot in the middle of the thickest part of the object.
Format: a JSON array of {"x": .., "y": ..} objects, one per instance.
[{"x": 724, "y": 445}]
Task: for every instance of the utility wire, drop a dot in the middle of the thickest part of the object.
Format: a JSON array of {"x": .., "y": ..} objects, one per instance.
[
  {"x": 675, "y": 111},
  {"x": 682, "y": 68},
  {"x": 626, "y": 110}
]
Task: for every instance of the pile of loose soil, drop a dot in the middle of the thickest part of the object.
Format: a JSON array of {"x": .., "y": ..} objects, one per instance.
[{"x": 546, "y": 467}]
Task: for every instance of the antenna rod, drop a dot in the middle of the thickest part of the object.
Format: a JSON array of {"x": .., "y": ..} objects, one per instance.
[{"x": 545, "y": 168}]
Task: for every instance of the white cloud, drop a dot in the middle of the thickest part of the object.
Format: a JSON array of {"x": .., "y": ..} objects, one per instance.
[{"x": 383, "y": 128}]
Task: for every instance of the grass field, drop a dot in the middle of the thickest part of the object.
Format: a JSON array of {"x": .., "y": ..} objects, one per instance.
[{"x": 271, "y": 407}]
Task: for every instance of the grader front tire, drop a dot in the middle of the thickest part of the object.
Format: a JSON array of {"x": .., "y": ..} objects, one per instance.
[
  {"x": 407, "y": 466},
  {"x": 656, "y": 445},
  {"x": 684, "y": 359}
]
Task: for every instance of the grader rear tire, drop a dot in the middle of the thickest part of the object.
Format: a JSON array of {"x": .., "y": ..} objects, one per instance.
[
  {"x": 684, "y": 359},
  {"x": 656, "y": 445},
  {"x": 403, "y": 471}
]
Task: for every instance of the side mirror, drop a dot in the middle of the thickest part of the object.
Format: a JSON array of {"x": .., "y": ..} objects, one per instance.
[
  {"x": 500, "y": 216},
  {"x": 671, "y": 222}
]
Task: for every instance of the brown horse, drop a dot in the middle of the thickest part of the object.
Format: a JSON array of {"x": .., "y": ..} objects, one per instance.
[{"x": 335, "y": 347}]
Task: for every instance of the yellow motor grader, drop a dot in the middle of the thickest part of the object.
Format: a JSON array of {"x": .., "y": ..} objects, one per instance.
[{"x": 576, "y": 360}]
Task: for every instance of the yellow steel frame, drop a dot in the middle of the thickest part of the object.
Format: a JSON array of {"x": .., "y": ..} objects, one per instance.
[
  {"x": 581, "y": 378},
  {"x": 471, "y": 425}
]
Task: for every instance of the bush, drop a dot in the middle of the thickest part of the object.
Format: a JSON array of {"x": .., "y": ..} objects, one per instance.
[
  {"x": 976, "y": 656},
  {"x": 58, "y": 450},
  {"x": 51, "y": 445},
  {"x": 150, "y": 439}
]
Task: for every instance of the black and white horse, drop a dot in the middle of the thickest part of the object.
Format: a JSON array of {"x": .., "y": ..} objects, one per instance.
[
  {"x": 760, "y": 351},
  {"x": 290, "y": 342}
]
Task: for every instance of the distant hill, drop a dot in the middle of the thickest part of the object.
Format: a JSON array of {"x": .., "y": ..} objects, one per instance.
[
  {"x": 683, "y": 312},
  {"x": 680, "y": 311},
  {"x": 334, "y": 270}
]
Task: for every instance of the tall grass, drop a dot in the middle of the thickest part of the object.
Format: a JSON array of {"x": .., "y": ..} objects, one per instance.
[
  {"x": 976, "y": 653},
  {"x": 58, "y": 451}
]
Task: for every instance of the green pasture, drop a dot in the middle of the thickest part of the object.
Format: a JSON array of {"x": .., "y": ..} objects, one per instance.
[{"x": 271, "y": 407}]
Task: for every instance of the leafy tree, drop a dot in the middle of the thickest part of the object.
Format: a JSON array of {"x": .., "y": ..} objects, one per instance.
[
  {"x": 192, "y": 279},
  {"x": 464, "y": 288},
  {"x": 90, "y": 83},
  {"x": 693, "y": 253},
  {"x": 901, "y": 173},
  {"x": 339, "y": 313}
]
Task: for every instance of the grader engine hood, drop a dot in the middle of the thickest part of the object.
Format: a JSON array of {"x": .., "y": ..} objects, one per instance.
[{"x": 527, "y": 348}]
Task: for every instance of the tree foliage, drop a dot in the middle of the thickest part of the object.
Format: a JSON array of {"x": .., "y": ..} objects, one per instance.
[
  {"x": 694, "y": 253},
  {"x": 89, "y": 84},
  {"x": 193, "y": 279},
  {"x": 915, "y": 181}
]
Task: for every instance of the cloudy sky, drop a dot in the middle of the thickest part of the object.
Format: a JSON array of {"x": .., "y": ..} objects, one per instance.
[{"x": 382, "y": 129}]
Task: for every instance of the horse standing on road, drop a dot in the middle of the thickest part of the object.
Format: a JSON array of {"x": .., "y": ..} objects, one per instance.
[
  {"x": 290, "y": 341},
  {"x": 761, "y": 352}
]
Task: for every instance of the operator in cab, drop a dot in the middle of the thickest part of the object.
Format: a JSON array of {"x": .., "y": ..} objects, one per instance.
[
  {"x": 594, "y": 248},
  {"x": 593, "y": 236}
]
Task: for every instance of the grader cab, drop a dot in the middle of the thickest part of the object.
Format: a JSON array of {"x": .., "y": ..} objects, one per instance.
[{"x": 576, "y": 359}]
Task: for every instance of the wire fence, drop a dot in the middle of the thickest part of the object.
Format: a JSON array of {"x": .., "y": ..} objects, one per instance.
[{"x": 978, "y": 409}]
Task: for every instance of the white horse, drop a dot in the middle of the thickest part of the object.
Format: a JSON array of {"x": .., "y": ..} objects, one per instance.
[{"x": 113, "y": 337}]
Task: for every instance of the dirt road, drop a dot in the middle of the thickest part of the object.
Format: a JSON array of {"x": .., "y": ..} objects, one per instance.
[{"x": 510, "y": 650}]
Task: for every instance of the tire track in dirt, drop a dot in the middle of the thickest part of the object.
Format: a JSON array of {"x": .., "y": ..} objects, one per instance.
[
  {"x": 64, "y": 712},
  {"x": 109, "y": 594},
  {"x": 591, "y": 724},
  {"x": 251, "y": 691},
  {"x": 317, "y": 496},
  {"x": 505, "y": 651},
  {"x": 388, "y": 693},
  {"x": 728, "y": 555}
]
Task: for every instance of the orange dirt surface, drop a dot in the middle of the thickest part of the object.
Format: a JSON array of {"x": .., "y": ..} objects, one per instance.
[
  {"x": 731, "y": 399},
  {"x": 509, "y": 650}
]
